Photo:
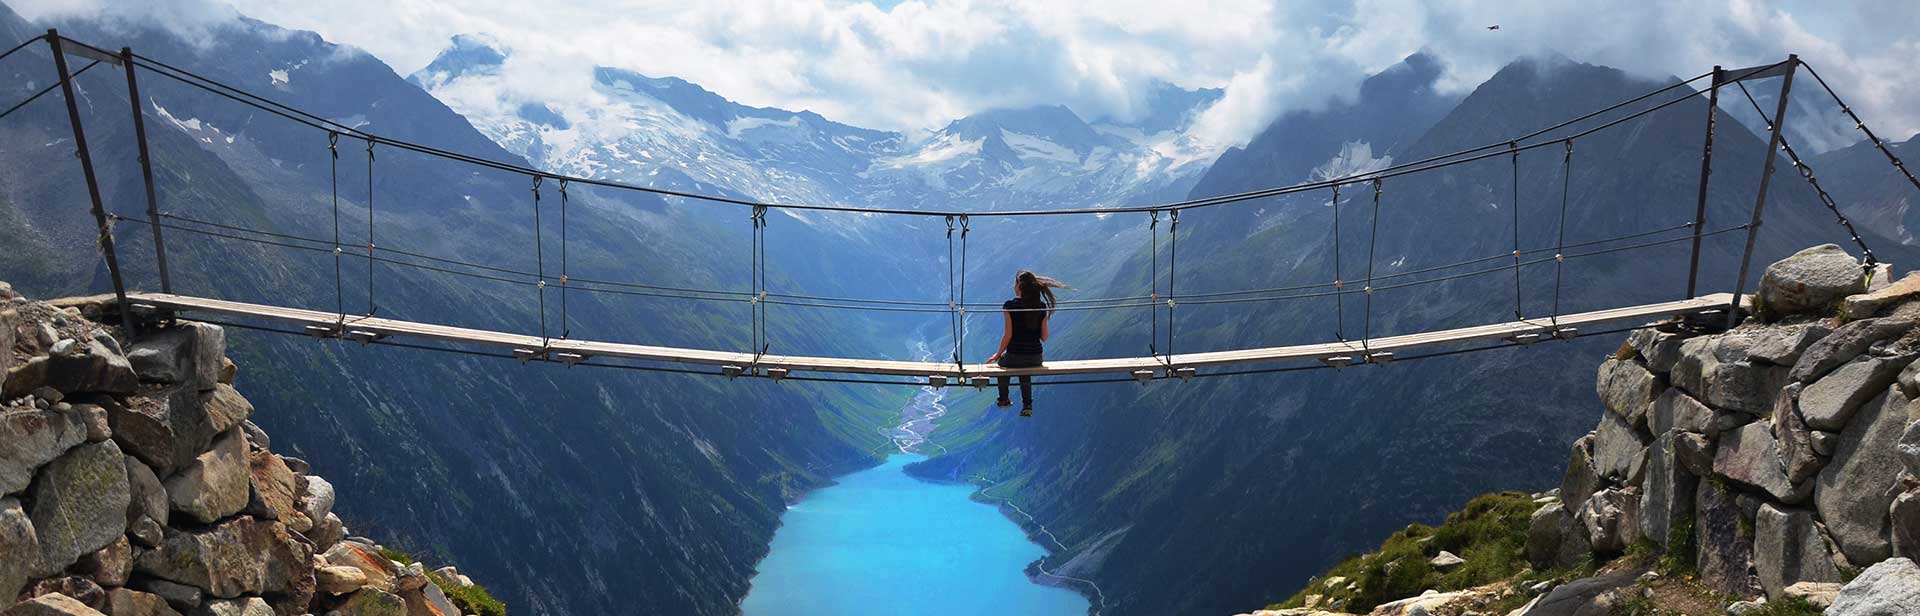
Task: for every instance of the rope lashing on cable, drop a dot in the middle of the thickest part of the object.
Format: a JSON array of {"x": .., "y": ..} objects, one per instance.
[
  {"x": 1806, "y": 172},
  {"x": 539, "y": 261},
  {"x": 1560, "y": 244}
]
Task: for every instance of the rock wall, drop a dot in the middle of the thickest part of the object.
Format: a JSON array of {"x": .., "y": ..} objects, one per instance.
[
  {"x": 1783, "y": 451},
  {"x": 133, "y": 484}
]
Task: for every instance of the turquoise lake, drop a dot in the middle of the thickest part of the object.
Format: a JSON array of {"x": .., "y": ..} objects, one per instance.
[{"x": 883, "y": 543}]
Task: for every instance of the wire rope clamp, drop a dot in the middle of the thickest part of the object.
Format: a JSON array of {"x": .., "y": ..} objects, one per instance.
[
  {"x": 323, "y": 331},
  {"x": 570, "y": 358},
  {"x": 1566, "y": 333},
  {"x": 526, "y": 355},
  {"x": 776, "y": 373},
  {"x": 363, "y": 336},
  {"x": 1143, "y": 375},
  {"x": 1524, "y": 338},
  {"x": 731, "y": 371},
  {"x": 1184, "y": 373},
  {"x": 1380, "y": 357},
  {"x": 1338, "y": 361},
  {"x": 979, "y": 382},
  {"x": 937, "y": 381}
]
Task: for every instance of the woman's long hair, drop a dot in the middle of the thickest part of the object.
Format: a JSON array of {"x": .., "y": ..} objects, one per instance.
[{"x": 1034, "y": 286}]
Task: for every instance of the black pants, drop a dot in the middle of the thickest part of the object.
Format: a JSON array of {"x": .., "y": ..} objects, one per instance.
[{"x": 1019, "y": 360}]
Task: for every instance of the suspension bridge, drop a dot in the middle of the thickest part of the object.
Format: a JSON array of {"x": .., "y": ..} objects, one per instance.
[{"x": 758, "y": 361}]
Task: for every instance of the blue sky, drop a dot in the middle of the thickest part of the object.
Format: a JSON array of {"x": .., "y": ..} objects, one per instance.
[{"x": 918, "y": 64}]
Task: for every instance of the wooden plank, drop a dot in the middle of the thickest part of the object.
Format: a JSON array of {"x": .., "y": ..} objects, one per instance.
[{"x": 846, "y": 365}]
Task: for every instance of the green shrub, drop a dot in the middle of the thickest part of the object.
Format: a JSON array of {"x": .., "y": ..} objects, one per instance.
[
  {"x": 1791, "y": 606},
  {"x": 470, "y": 599},
  {"x": 1490, "y": 534},
  {"x": 398, "y": 555}
]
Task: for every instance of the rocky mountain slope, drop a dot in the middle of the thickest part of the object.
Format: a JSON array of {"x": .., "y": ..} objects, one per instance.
[
  {"x": 136, "y": 484},
  {"x": 1771, "y": 468}
]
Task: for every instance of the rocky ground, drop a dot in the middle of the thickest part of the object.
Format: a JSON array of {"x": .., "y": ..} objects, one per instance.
[
  {"x": 1770, "y": 469},
  {"x": 133, "y": 484}
]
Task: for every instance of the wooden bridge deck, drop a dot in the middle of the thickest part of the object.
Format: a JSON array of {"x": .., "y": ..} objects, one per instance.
[{"x": 328, "y": 323}]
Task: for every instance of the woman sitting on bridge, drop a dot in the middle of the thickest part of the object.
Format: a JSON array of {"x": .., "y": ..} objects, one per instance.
[{"x": 1026, "y": 320}]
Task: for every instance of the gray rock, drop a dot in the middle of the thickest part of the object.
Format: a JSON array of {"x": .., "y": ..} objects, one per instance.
[
  {"x": 79, "y": 503},
  {"x": 1667, "y": 493},
  {"x": 1871, "y": 303},
  {"x": 30, "y": 439},
  {"x": 1782, "y": 345},
  {"x": 1857, "y": 487},
  {"x": 1581, "y": 478},
  {"x": 276, "y": 490},
  {"x": 371, "y": 602},
  {"x": 382, "y": 574},
  {"x": 1828, "y": 403},
  {"x": 1812, "y": 281},
  {"x": 248, "y": 606},
  {"x": 1717, "y": 371},
  {"x": 149, "y": 497},
  {"x": 198, "y": 417},
  {"x": 1612, "y": 519},
  {"x": 433, "y": 598},
  {"x": 124, "y": 602},
  {"x": 1909, "y": 379},
  {"x": 9, "y": 319},
  {"x": 75, "y": 368},
  {"x": 256, "y": 438},
  {"x": 1660, "y": 349},
  {"x": 1750, "y": 457},
  {"x": 73, "y": 587},
  {"x": 1889, "y": 588},
  {"x": 1726, "y": 421},
  {"x": 216, "y": 484},
  {"x": 298, "y": 465},
  {"x": 327, "y": 533},
  {"x": 50, "y": 605},
  {"x": 91, "y": 416},
  {"x": 1904, "y": 517},
  {"x": 1619, "y": 450},
  {"x": 1823, "y": 442},
  {"x": 180, "y": 596},
  {"x": 318, "y": 500},
  {"x": 1675, "y": 410},
  {"x": 1723, "y": 550},
  {"x": 143, "y": 428},
  {"x": 339, "y": 579},
  {"x": 1845, "y": 343},
  {"x": 1817, "y": 594},
  {"x": 1592, "y": 596},
  {"x": 1793, "y": 438},
  {"x": 240, "y": 556},
  {"x": 109, "y": 566},
  {"x": 228, "y": 370},
  {"x": 17, "y": 540},
  {"x": 1787, "y": 548},
  {"x": 1694, "y": 452},
  {"x": 188, "y": 353},
  {"x": 1626, "y": 388}
]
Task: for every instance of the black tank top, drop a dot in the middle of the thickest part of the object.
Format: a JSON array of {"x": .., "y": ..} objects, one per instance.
[{"x": 1026, "y": 325}]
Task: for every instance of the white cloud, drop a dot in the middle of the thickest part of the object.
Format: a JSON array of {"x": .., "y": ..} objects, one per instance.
[{"x": 922, "y": 63}]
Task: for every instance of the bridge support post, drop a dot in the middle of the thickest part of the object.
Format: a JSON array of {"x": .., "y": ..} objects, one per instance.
[
  {"x": 1706, "y": 171},
  {"x": 93, "y": 182},
  {"x": 1766, "y": 174}
]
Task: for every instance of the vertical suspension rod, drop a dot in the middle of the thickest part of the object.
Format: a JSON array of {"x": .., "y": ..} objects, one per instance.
[
  {"x": 1706, "y": 172},
  {"x": 146, "y": 172},
  {"x": 1760, "y": 200},
  {"x": 93, "y": 182}
]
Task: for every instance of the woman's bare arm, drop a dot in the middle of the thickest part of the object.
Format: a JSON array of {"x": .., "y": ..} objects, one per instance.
[
  {"x": 1006, "y": 335},
  {"x": 1044, "y": 320}
]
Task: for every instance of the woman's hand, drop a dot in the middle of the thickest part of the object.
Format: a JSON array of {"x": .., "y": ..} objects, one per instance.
[{"x": 995, "y": 359}]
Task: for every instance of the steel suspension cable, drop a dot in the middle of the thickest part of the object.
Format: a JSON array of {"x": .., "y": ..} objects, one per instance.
[
  {"x": 1514, "y": 148},
  {"x": 953, "y": 315},
  {"x": 372, "y": 308},
  {"x": 1559, "y": 256},
  {"x": 23, "y": 45},
  {"x": 43, "y": 91},
  {"x": 1806, "y": 171},
  {"x": 1373, "y": 241},
  {"x": 566, "y": 323},
  {"x": 1153, "y": 282},
  {"x": 1339, "y": 302},
  {"x": 959, "y": 340},
  {"x": 333, "y": 180},
  {"x": 539, "y": 262},
  {"x": 1862, "y": 126},
  {"x": 1173, "y": 275}
]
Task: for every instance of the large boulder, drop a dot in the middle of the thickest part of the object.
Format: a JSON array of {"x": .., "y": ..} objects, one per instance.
[
  {"x": 1845, "y": 343},
  {"x": 327, "y": 532},
  {"x": 1675, "y": 410},
  {"x": 143, "y": 427},
  {"x": 22, "y": 547},
  {"x": 1857, "y": 487},
  {"x": 71, "y": 367},
  {"x": 9, "y": 319},
  {"x": 276, "y": 491},
  {"x": 1889, "y": 588},
  {"x": 1904, "y": 517},
  {"x": 1612, "y": 519},
  {"x": 1909, "y": 448},
  {"x": 1626, "y": 387},
  {"x": 50, "y": 605},
  {"x": 1781, "y": 345},
  {"x": 32, "y": 438},
  {"x": 1723, "y": 548},
  {"x": 1667, "y": 493},
  {"x": 430, "y": 601},
  {"x": 241, "y": 556},
  {"x": 1750, "y": 457},
  {"x": 1812, "y": 281},
  {"x": 318, "y": 500},
  {"x": 188, "y": 353},
  {"x": 79, "y": 503},
  {"x": 1593, "y": 596},
  {"x": 1619, "y": 450},
  {"x": 199, "y": 417},
  {"x": 339, "y": 579},
  {"x": 1718, "y": 371},
  {"x": 1828, "y": 403},
  {"x": 1582, "y": 478},
  {"x": 1795, "y": 440},
  {"x": 125, "y": 602},
  {"x": 109, "y": 566},
  {"x": 248, "y": 606},
  {"x": 371, "y": 602},
  {"x": 215, "y": 484},
  {"x": 381, "y": 573},
  {"x": 149, "y": 496},
  {"x": 1660, "y": 349},
  {"x": 1788, "y": 548}
]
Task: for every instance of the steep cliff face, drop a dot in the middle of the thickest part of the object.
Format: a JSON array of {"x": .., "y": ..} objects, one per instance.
[
  {"x": 135, "y": 483},
  {"x": 1774, "y": 462}
]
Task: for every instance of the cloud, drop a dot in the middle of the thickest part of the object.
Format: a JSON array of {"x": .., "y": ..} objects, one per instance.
[{"x": 922, "y": 63}]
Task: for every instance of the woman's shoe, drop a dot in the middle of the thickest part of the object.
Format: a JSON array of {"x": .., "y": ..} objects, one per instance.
[
  {"x": 1003, "y": 403},
  {"x": 1026, "y": 412}
]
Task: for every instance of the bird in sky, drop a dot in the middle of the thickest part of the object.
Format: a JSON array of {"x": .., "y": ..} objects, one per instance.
[{"x": 1494, "y": 27}]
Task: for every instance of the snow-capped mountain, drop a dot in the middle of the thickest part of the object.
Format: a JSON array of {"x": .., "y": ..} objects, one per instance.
[{"x": 667, "y": 132}]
